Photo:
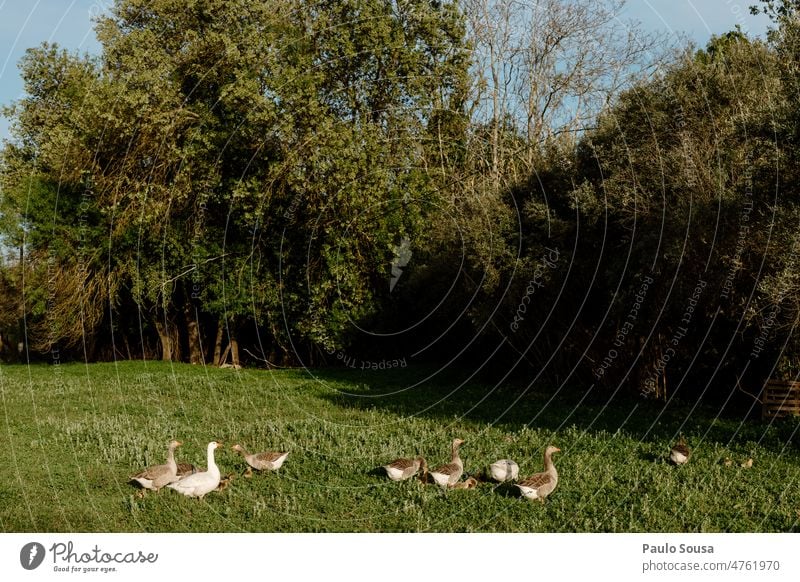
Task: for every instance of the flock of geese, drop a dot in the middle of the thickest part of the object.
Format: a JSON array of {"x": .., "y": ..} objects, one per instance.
[
  {"x": 448, "y": 476},
  {"x": 193, "y": 482}
]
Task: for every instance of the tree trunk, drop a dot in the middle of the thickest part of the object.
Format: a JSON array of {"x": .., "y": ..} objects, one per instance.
[
  {"x": 90, "y": 347},
  {"x": 235, "y": 351},
  {"x": 166, "y": 343},
  {"x": 224, "y": 357},
  {"x": 218, "y": 344},
  {"x": 170, "y": 346},
  {"x": 193, "y": 335},
  {"x": 127, "y": 346}
]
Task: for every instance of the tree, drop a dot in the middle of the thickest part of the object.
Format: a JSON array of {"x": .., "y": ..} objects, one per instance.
[
  {"x": 678, "y": 179},
  {"x": 250, "y": 162}
]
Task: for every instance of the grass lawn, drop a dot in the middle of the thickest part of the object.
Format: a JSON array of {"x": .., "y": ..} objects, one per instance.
[{"x": 73, "y": 434}]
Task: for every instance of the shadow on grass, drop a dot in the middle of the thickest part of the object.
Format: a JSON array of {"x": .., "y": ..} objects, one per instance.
[
  {"x": 420, "y": 392},
  {"x": 377, "y": 472},
  {"x": 507, "y": 490},
  {"x": 651, "y": 457}
]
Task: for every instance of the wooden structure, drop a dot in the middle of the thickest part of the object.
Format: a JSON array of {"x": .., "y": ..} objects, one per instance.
[{"x": 779, "y": 398}]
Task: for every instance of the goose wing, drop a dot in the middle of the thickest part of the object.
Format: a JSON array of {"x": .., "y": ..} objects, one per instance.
[
  {"x": 268, "y": 457},
  {"x": 153, "y": 472},
  {"x": 401, "y": 464},
  {"x": 536, "y": 481},
  {"x": 448, "y": 469},
  {"x": 681, "y": 449}
]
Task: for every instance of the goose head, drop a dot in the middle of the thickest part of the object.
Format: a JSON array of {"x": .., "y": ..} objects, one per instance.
[
  {"x": 173, "y": 444},
  {"x": 238, "y": 448},
  {"x": 457, "y": 443},
  {"x": 551, "y": 449}
]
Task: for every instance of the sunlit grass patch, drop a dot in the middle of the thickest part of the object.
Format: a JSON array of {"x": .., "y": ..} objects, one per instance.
[{"x": 74, "y": 438}]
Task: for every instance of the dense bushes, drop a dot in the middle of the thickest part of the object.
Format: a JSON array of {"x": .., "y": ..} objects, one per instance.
[{"x": 309, "y": 183}]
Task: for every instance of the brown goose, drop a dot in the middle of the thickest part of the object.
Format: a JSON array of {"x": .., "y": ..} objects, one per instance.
[
  {"x": 267, "y": 461},
  {"x": 157, "y": 476},
  {"x": 470, "y": 483},
  {"x": 541, "y": 485},
  {"x": 680, "y": 453},
  {"x": 402, "y": 469},
  {"x": 225, "y": 481},
  {"x": 448, "y": 475}
]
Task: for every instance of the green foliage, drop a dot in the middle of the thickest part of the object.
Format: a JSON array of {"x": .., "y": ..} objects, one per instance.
[
  {"x": 244, "y": 170},
  {"x": 677, "y": 184},
  {"x": 249, "y": 158}
]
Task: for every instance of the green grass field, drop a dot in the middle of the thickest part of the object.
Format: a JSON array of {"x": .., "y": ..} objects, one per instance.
[{"x": 73, "y": 434}]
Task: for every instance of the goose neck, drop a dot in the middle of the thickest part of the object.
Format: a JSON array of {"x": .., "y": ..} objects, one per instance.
[
  {"x": 212, "y": 466},
  {"x": 455, "y": 458},
  {"x": 171, "y": 460},
  {"x": 549, "y": 467}
]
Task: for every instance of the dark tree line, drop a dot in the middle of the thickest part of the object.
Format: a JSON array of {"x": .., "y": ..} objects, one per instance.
[{"x": 373, "y": 184}]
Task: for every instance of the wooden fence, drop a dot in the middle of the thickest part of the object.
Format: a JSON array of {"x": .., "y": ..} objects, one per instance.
[{"x": 779, "y": 398}]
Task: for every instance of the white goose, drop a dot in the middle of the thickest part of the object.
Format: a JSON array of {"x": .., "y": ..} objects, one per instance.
[
  {"x": 448, "y": 475},
  {"x": 156, "y": 476},
  {"x": 504, "y": 470},
  {"x": 198, "y": 484}
]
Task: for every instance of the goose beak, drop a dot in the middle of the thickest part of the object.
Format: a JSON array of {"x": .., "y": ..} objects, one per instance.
[
  {"x": 179, "y": 443},
  {"x": 558, "y": 450}
]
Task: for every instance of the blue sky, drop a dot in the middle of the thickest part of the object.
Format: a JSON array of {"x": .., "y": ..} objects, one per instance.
[
  {"x": 27, "y": 23},
  {"x": 698, "y": 19}
]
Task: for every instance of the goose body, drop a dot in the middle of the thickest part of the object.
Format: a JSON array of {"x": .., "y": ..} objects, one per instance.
[
  {"x": 504, "y": 470},
  {"x": 157, "y": 476},
  {"x": 185, "y": 469},
  {"x": 448, "y": 475},
  {"x": 541, "y": 485},
  {"x": 267, "y": 461},
  {"x": 402, "y": 469},
  {"x": 203, "y": 482},
  {"x": 680, "y": 453}
]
